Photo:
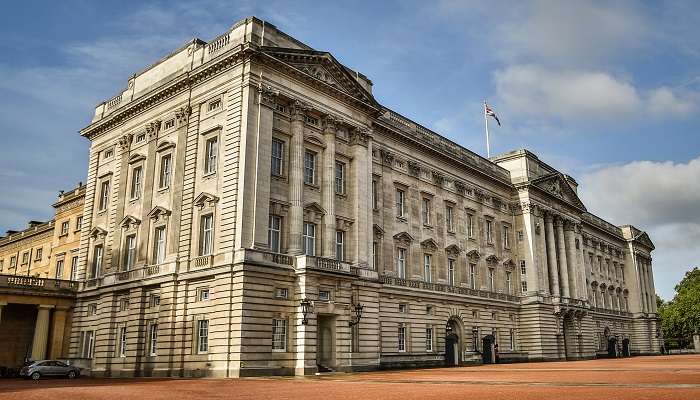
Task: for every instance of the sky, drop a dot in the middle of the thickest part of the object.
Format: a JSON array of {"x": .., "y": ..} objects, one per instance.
[{"x": 608, "y": 92}]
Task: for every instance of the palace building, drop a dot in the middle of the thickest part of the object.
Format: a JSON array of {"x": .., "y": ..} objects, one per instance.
[
  {"x": 251, "y": 209},
  {"x": 38, "y": 269}
]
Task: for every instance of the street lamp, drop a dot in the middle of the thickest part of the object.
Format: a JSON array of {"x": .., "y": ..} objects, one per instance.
[
  {"x": 306, "y": 307},
  {"x": 358, "y": 314}
]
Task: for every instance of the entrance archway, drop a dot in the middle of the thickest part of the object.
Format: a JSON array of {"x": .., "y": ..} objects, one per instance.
[
  {"x": 453, "y": 352},
  {"x": 325, "y": 343},
  {"x": 625, "y": 347},
  {"x": 612, "y": 347},
  {"x": 487, "y": 349}
]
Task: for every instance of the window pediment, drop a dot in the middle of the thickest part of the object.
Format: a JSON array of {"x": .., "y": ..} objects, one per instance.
[
  {"x": 313, "y": 212},
  {"x": 473, "y": 255},
  {"x": 165, "y": 145},
  {"x": 403, "y": 238},
  {"x": 129, "y": 222},
  {"x": 158, "y": 212},
  {"x": 378, "y": 231},
  {"x": 453, "y": 250},
  {"x": 429, "y": 245},
  {"x": 492, "y": 259},
  {"x": 136, "y": 158},
  {"x": 98, "y": 232},
  {"x": 205, "y": 199}
]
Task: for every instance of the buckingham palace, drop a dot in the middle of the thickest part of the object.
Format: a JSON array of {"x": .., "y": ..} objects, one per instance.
[{"x": 251, "y": 209}]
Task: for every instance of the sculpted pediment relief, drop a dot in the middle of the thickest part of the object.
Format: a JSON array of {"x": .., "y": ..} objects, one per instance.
[
  {"x": 492, "y": 259},
  {"x": 205, "y": 198},
  {"x": 378, "y": 231},
  {"x": 158, "y": 212},
  {"x": 403, "y": 238},
  {"x": 453, "y": 250},
  {"x": 473, "y": 255},
  {"x": 429, "y": 245},
  {"x": 644, "y": 239},
  {"x": 323, "y": 68},
  {"x": 98, "y": 232},
  {"x": 555, "y": 185},
  {"x": 129, "y": 222}
]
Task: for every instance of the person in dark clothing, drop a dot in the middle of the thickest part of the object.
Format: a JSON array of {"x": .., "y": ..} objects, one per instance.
[{"x": 495, "y": 352}]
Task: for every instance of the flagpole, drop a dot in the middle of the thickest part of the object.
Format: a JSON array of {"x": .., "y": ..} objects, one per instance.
[{"x": 486, "y": 120}]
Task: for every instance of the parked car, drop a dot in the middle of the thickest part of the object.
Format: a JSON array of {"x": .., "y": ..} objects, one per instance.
[{"x": 42, "y": 368}]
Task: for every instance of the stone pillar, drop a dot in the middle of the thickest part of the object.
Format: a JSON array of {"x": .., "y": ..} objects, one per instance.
[
  {"x": 552, "y": 255},
  {"x": 41, "y": 332},
  {"x": 266, "y": 98},
  {"x": 652, "y": 290},
  {"x": 563, "y": 264},
  {"x": 642, "y": 284},
  {"x": 360, "y": 140},
  {"x": 328, "y": 188},
  {"x": 540, "y": 244},
  {"x": 58, "y": 329},
  {"x": 296, "y": 178},
  {"x": 570, "y": 239}
]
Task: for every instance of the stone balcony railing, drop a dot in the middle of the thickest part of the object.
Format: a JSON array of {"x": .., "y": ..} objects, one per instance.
[
  {"x": 440, "y": 287},
  {"x": 15, "y": 284},
  {"x": 611, "y": 312},
  {"x": 136, "y": 274},
  {"x": 324, "y": 264}
]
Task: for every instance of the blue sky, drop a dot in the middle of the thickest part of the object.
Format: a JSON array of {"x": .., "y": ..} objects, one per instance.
[{"x": 609, "y": 93}]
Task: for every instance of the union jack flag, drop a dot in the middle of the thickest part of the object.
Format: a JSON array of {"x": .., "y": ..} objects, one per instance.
[{"x": 491, "y": 113}]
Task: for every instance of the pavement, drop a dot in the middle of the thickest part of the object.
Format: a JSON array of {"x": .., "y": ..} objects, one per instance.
[{"x": 638, "y": 378}]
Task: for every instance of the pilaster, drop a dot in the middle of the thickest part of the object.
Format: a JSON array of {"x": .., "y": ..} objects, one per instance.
[{"x": 296, "y": 183}]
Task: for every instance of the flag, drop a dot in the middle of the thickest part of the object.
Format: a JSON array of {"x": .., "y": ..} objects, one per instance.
[{"x": 491, "y": 113}]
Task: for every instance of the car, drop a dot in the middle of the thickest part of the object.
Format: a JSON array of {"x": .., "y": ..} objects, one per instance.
[{"x": 41, "y": 368}]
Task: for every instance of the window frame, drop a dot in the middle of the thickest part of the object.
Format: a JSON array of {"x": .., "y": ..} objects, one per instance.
[
  {"x": 309, "y": 239},
  {"x": 160, "y": 248},
  {"x": 211, "y": 155},
  {"x": 277, "y": 159},
  {"x": 136, "y": 183},
  {"x": 105, "y": 187},
  {"x": 340, "y": 177},
  {"x": 400, "y": 202},
  {"x": 340, "y": 245},
  {"x": 274, "y": 232},
  {"x": 202, "y": 333},
  {"x": 427, "y": 267},
  {"x": 165, "y": 171},
  {"x": 280, "y": 333},
  {"x": 206, "y": 234},
  {"x": 153, "y": 339},
  {"x": 401, "y": 262},
  {"x": 130, "y": 252},
  {"x": 310, "y": 167}
]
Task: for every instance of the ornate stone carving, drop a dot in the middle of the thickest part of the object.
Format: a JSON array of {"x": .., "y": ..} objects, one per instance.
[
  {"x": 403, "y": 239},
  {"x": 183, "y": 114},
  {"x": 438, "y": 178},
  {"x": 152, "y": 129},
  {"x": 461, "y": 187},
  {"x": 453, "y": 250},
  {"x": 387, "y": 157},
  {"x": 125, "y": 141},
  {"x": 428, "y": 245},
  {"x": 298, "y": 110},
  {"x": 330, "y": 123},
  {"x": 267, "y": 95},
  {"x": 413, "y": 168},
  {"x": 360, "y": 136},
  {"x": 473, "y": 256}
]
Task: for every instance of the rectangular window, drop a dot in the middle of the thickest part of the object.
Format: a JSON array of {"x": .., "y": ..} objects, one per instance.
[
  {"x": 39, "y": 253},
  {"x": 121, "y": 352},
  {"x": 211, "y": 152},
  {"x": 523, "y": 286},
  {"x": 108, "y": 153},
  {"x": 274, "y": 233},
  {"x": 153, "y": 339},
  {"x": 427, "y": 259},
  {"x": 375, "y": 254},
  {"x": 400, "y": 203},
  {"x": 425, "y": 211},
  {"x": 65, "y": 226},
  {"x": 282, "y": 293},
  {"x": 402, "y": 338},
  {"x": 450, "y": 272},
  {"x": 154, "y": 301},
  {"x": 79, "y": 223},
  {"x": 169, "y": 124},
  {"x": 403, "y": 308},
  {"x": 206, "y": 235},
  {"x": 124, "y": 304},
  {"x": 97, "y": 261},
  {"x": 140, "y": 138},
  {"x": 523, "y": 269},
  {"x": 136, "y": 182},
  {"x": 340, "y": 245},
  {"x": 375, "y": 200},
  {"x": 214, "y": 105},
  {"x": 202, "y": 336},
  {"x": 13, "y": 261},
  {"x": 130, "y": 252},
  {"x": 506, "y": 237},
  {"x": 401, "y": 263},
  {"x": 512, "y": 339},
  {"x": 277, "y": 157},
  {"x": 324, "y": 295},
  {"x": 309, "y": 167},
  {"x": 59, "y": 269},
  {"x": 429, "y": 339},
  {"x": 104, "y": 195},
  {"x": 472, "y": 276},
  {"x": 203, "y": 294},
  {"x": 166, "y": 169},
  {"x": 470, "y": 226},
  {"x": 449, "y": 218},
  {"x": 74, "y": 268},
  {"x": 309, "y": 239},
  {"x": 489, "y": 231},
  {"x": 509, "y": 282},
  {"x": 92, "y": 309},
  {"x": 339, "y": 177},
  {"x": 88, "y": 344},
  {"x": 25, "y": 257},
  {"x": 159, "y": 245},
  {"x": 521, "y": 236},
  {"x": 490, "y": 280},
  {"x": 279, "y": 334}
]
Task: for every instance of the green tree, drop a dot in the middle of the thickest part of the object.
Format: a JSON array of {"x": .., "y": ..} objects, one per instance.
[{"x": 680, "y": 317}]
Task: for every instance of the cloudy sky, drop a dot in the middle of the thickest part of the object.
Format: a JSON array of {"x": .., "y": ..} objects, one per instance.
[{"x": 606, "y": 91}]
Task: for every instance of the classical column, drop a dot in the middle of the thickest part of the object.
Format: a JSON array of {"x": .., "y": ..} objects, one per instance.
[
  {"x": 563, "y": 264},
  {"x": 267, "y": 100},
  {"x": 328, "y": 187},
  {"x": 551, "y": 255},
  {"x": 542, "y": 244},
  {"x": 41, "y": 332},
  {"x": 360, "y": 139},
  {"x": 296, "y": 178},
  {"x": 570, "y": 239},
  {"x": 58, "y": 327},
  {"x": 642, "y": 284},
  {"x": 652, "y": 289}
]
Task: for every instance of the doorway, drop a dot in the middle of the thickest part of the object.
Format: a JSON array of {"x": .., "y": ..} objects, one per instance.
[
  {"x": 451, "y": 350},
  {"x": 487, "y": 353},
  {"x": 625, "y": 347},
  {"x": 325, "y": 343},
  {"x": 612, "y": 347}
]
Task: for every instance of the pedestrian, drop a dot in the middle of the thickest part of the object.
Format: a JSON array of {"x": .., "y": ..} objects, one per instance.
[{"x": 495, "y": 352}]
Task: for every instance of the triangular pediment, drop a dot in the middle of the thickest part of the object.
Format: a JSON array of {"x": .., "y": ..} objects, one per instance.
[
  {"x": 315, "y": 207},
  {"x": 323, "y": 68},
  {"x": 492, "y": 259},
  {"x": 556, "y": 185},
  {"x": 403, "y": 238},
  {"x": 429, "y": 244},
  {"x": 644, "y": 239},
  {"x": 205, "y": 198},
  {"x": 128, "y": 221},
  {"x": 157, "y": 211},
  {"x": 98, "y": 232},
  {"x": 378, "y": 231},
  {"x": 453, "y": 250}
]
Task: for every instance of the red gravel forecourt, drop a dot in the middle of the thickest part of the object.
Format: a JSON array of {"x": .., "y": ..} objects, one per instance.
[{"x": 638, "y": 378}]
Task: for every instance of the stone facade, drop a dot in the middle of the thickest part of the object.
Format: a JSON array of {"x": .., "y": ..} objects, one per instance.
[
  {"x": 37, "y": 266},
  {"x": 234, "y": 179}
]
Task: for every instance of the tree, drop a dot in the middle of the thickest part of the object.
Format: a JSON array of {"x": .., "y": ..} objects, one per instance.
[{"x": 680, "y": 317}]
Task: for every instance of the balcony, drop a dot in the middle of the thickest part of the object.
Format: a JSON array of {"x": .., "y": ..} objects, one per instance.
[
  {"x": 146, "y": 272},
  {"x": 13, "y": 284},
  {"x": 611, "y": 312},
  {"x": 439, "y": 287},
  {"x": 324, "y": 264}
]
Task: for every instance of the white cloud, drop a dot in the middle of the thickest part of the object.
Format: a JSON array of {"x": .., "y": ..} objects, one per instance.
[
  {"x": 662, "y": 198},
  {"x": 581, "y": 95}
]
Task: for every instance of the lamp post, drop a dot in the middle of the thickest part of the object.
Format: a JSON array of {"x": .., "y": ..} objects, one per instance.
[
  {"x": 306, "y": 307},
  {"x": 358, "y": 314}
]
